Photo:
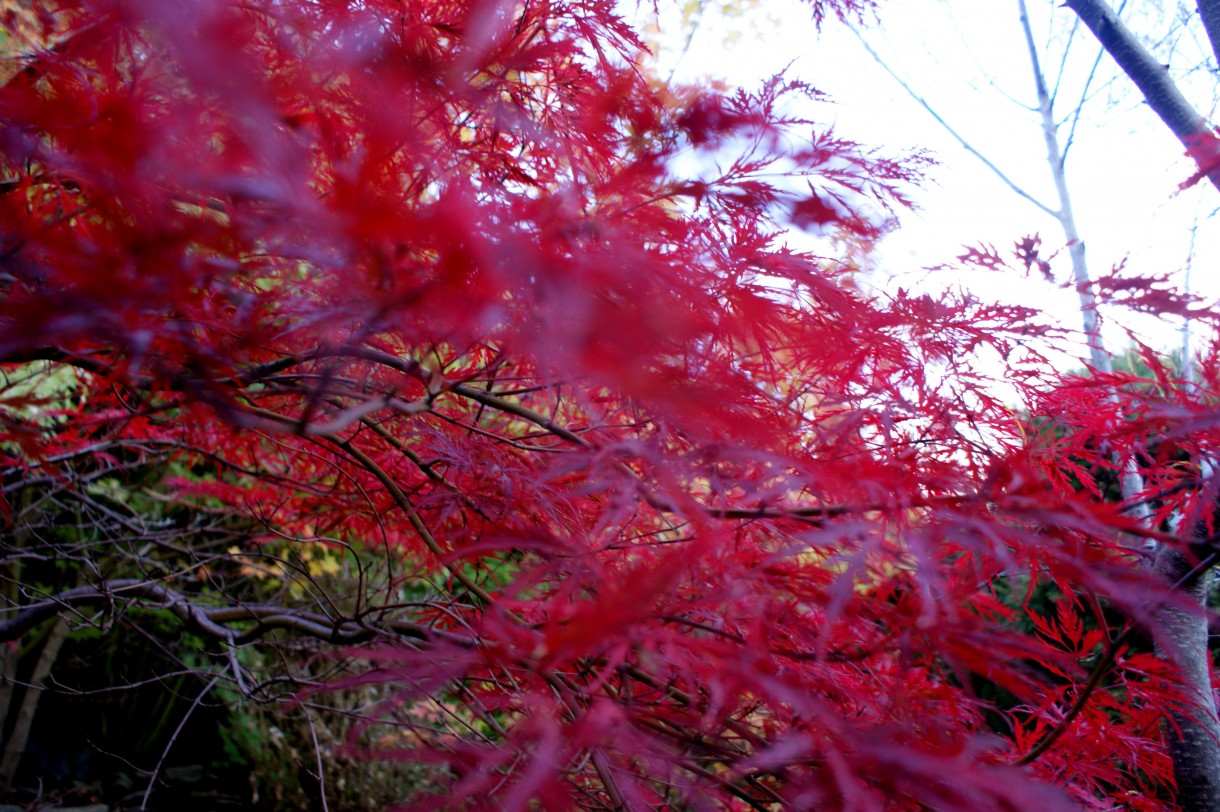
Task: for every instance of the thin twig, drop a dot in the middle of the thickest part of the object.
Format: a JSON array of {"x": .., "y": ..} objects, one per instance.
[
  {"x": 152, "y": 779},
  {"x": 966, "y": 145},
  {"x": 317, "y": 752}
]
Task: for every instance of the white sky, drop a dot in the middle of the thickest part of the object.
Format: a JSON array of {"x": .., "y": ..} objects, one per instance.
[{"x": 968, "y": 59}]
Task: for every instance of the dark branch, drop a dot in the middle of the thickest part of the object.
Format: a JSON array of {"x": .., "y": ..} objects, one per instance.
[
  {"x": 1209, "y": 12},
  {"x": 1149, "y": 75},
  {"x": 216, "y": 621}
]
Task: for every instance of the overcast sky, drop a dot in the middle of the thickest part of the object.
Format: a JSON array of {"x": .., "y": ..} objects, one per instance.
[{"x": 969, "y": 60}]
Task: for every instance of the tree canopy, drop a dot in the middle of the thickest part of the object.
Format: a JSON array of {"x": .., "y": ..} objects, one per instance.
[{"x": 648, "y": 508}]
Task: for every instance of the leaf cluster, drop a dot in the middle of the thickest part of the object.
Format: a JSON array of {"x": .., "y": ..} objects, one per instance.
[{"x": 441, "y": 336}]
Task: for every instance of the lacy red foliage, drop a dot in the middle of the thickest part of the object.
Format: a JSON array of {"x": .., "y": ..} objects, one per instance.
[{"x": 458, "y": 281}]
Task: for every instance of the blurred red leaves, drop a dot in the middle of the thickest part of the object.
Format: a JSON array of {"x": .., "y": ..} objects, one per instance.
[{"x": 458, "y": 281}]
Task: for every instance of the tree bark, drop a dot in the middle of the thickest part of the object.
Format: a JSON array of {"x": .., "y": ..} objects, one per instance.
[
  {"x": 1149, "y": 75},
  {"x": 1098, "y": 356},
  {"x": 1130, "y": 480},
  {"x": 1194, "y": 732},
  {"x": 1209, "y": 12}
]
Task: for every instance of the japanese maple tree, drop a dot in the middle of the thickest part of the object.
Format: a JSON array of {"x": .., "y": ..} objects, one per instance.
[{"x": 702, "y": 523}]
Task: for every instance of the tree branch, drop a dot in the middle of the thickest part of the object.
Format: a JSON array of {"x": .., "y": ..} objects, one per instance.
[
  {"x": 1149, "y": 75},
  {"x": 215, "y": 621},
  {"x": 1209, "y": 12},
  {"x": 966, "y": 145}
]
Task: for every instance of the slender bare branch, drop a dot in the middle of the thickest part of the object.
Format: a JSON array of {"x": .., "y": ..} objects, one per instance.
[{"x": 966, "y": 145}]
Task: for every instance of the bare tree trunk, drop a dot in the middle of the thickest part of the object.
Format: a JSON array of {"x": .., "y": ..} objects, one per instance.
[
  {"x": 1201, "y": 781},
  {"x": 1182, "y": 634},
  {"x": 9, "y": 655},
  {"x": 1149, "y": 75},
  {"x": 1194, "y": 735},
  {"x": 14, "y": 748},
  {"x": 1098, "y": 356},
  {"x": 1194, "y": 732},
  {"x": 10, "y": 652}
]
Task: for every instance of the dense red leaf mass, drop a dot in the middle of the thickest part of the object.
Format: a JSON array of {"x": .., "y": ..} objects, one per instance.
[{"x": 719, "y": 528}]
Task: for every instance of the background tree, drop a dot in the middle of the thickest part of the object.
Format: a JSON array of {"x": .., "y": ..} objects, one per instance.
[
  {"x": 645, "y": 508},
  {"x": 1194, "y": 733}
]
